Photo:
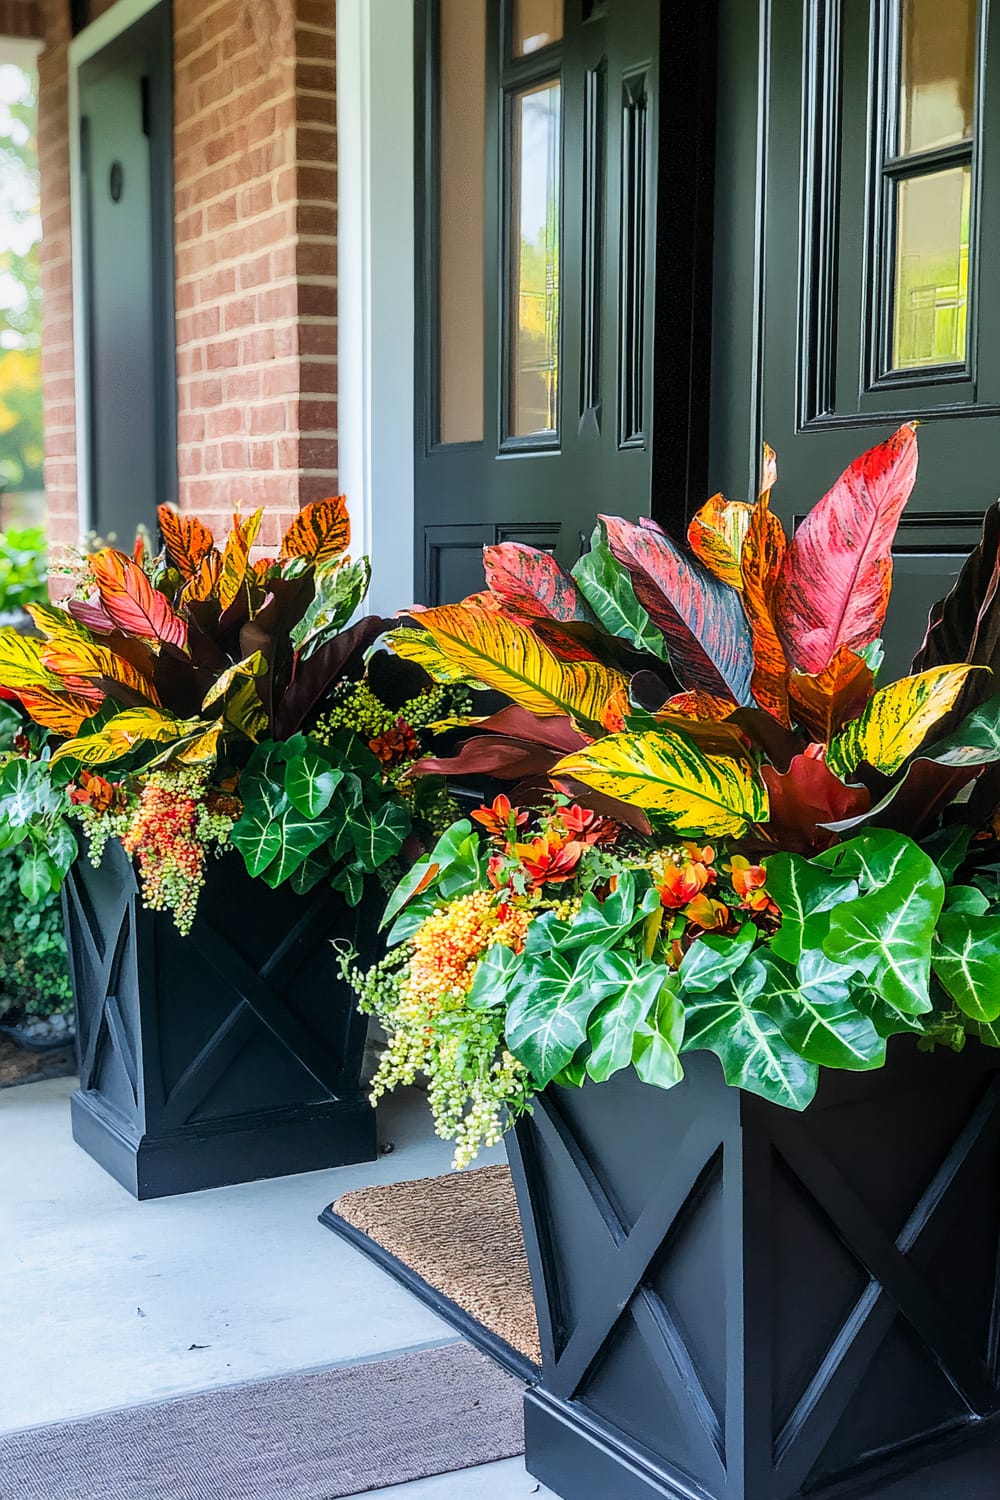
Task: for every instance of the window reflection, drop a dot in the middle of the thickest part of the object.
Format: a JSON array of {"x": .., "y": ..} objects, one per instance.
[
  {"x": 932, "y": 269},
  {"x": 537, "y": 24},
  {"x": 937, "y": 73},
  {"x": 534, "y": 256}
]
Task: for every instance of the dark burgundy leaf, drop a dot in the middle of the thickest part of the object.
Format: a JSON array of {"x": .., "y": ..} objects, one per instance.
[{"x": 805, "y": 798}]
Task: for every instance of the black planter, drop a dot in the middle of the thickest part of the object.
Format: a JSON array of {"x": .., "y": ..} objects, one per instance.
[
  {"x": 744, "y": 1303},
  {"x": 229, "y": 1055}
]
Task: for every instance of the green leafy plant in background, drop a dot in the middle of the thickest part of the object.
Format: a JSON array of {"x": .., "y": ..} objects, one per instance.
[
  {"x": 23, "y": 569},
  {"x": 37, "y": 847}
]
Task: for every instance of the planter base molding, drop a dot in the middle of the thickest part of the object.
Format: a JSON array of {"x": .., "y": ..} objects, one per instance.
[
  {"x": 737, "y": 1302},
  {"x": 225, "y": 1056}
]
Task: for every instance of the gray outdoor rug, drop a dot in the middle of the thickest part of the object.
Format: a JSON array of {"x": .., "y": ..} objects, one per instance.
[{"x": 318, "y": 1436}]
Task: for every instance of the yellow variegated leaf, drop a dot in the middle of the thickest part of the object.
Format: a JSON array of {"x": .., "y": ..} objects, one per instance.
[
  {"x": 251, "y": 666},
  {"x": 896, "y": 720},
  {"x": 56, "y": 623},
  {"x": 198, "y": 749},
  {"x": 120, "y": 735},
  {"x": 236, "y": 557},
  {"x": 716, "y": 535},
  {"x": 507, "y": 657},
  {"x": 22, "y": 664},
  {"x": 424, "y": 650},
  {"x": 204, "y": 582},
  {"x": 714, "y": 796},
  {"x": 77, "y": 661},
  {"x": 245, "y": 711}
]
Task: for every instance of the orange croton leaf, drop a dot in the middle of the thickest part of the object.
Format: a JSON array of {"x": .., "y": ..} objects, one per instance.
[
  {"x": 204, "y": 584},
  {"x": 698, "y": 706},
  {"x": 760, "y": 563},
  {"x": 825, "y": 701},
  {"x": 320, "y": 532},
  {"x": 131, "y": 601},
  {"x": 716, "y": 535},
  {"x": 63, "y": 713},
  {"x": 187, "y": 539},
  {"x": 82, "y": 665}
]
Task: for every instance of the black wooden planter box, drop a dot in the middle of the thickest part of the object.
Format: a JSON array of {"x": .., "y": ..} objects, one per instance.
[
  {"x": 228, "y": 1055},
  {"x": 748, "y": 1304}
]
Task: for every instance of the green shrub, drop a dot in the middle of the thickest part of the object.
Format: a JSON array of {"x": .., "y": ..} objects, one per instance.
[
  {"x": 34, "y": 971},
  {"x": 23, "y": 569}
]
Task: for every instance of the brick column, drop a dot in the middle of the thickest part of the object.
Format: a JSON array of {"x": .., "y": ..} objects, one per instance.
[{"x": 256, "y": 255}]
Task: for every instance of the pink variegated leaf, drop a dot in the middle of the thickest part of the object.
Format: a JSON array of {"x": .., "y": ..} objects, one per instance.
[
  {"x": 531, "y": 582},
  {"x": 835, "y": 579},
  {"x": 702, "y": 619}
]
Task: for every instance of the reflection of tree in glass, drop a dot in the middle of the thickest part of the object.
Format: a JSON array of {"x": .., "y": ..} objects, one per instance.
[
  {"x": 535, "y": 374},
  {"x": 932, "y": 277}
]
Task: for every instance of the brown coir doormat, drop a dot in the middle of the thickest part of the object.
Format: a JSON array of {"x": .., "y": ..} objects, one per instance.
[
  {"x": 22, "y": 1065},
  {"x": 456, "y": 1243}
]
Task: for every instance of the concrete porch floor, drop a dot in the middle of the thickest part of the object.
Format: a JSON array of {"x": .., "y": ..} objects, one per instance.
[{"x": 109, "y": 1303}]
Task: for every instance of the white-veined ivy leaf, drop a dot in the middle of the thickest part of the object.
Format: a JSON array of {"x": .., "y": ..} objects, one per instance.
[
  {"x": 815, "y": 1014},
  {"x": 965, "y": 900},
  {"x": 754, "y": 1054},
  {"x": 966, "y": 960},
  {"x": 36, "y": 877},
  {"x": 659, "y": 1038},
  {"x": 310, "y": 782},
  {"x": 805, "y": 893},
  {"x": 350, "y": 881},
  {"x": 379, "y": 833},
  {"x": 711, "y": 960},
  {"x": 492, "y": 978},
  {"x": 551, "y": 1001},
  {"x": 612, "y": 1027},
  {"x": 607, "y": 587},
  {"x": 457, "y": 845}
]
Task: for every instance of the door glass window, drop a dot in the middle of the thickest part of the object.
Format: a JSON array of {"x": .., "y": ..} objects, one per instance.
[
  {"x": 536, "y": 24},
  {"x": 930, "y": 181},
  {"x": 533, "y": 310},
  {"x": 460, "y": 208}
]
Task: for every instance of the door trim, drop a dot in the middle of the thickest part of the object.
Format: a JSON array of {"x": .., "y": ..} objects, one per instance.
[
  {"x": 83, "y": 47},
  {"x": 376, "y": 303}
]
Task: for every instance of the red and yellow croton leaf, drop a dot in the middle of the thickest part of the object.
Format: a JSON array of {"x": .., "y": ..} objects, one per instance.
[
  {"x": 481, "y": 646},
  {"x": 320, "y": 532},
  {"x": 716, "y": 535},
  {"x": 63, "y": 713},
  {"x": 82, "y": 665},
  {"x": 761, "y": 561},
  {"x": 531, "y": 582},
  {"x": 701, "y": 618},
  {"x": 698, "y": 706},
  {"x": 236, "y": 557},
  {"x": 132, "y": 602},
  {"x": 837, "y": 573},
  {"x": 825, "y": 701},
  {"x": 187, "y": 539},
  {"x": 897, "y": 720},
  {"x": 665, "y": 773}
]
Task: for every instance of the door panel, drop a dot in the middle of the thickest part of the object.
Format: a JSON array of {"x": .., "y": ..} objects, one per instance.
[
  {"x": 126, "y": 161},
  {"x": 570, "y": 155},
  {"x": 864, "y": 242}
]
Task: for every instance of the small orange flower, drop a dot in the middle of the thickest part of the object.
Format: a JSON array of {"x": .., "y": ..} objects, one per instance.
[
  {"x": 748, "y": 883},
  {"x": 684, "y": 878},
  {"x": 708, "y": 914},
  {"x": 587, "y": 826},
  {"x": 549, "y": 859},
  {"x": 94, "y": 791},
  {"x": 496, "y": 819},
  {"x": 397, "y": 744}
]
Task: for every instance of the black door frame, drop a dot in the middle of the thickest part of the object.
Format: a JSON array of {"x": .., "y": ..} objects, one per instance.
[
  {"x": 682, "y": 287},
  {"x": 155, "y": 28}
]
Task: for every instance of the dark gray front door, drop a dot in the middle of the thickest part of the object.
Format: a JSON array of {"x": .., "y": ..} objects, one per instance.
[
  {"x": 127, "y": 203},
  {"x": 858, "y": 219},
  {"x": 536, "y": 199}
]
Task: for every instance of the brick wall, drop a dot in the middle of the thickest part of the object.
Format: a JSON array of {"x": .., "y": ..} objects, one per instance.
[
  {"x": 255, "y": 236},
  {"x": 256, "y": 255},
  {"x": 57, "y": 290}
]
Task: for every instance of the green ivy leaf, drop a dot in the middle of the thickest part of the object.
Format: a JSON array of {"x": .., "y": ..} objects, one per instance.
[
  {"x": 754, "y": 1054},
  {"x": 612, "y": 1027},
  {"x": 965, "y": 900},
  {"x": 310, "y": 783},
  {"x": 379, "y": 833},
  {"x": 492, "y": 978},
  {"x": 607, "y": 587},
  {"x": 805, "y": 894},
  {"x": 350, "y": 881},
  {"x": 711, "y": 960},
  {"x": 607, "y": 922},
  {"x": 815, "y": 1014},
  {"x": 550, "y": 1004},
  {"x": 659, "y": 1038},
  {"x": 36, "y": 877},
  {"x": 966, "y": 960}
]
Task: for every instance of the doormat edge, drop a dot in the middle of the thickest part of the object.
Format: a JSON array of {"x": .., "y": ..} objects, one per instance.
[{"x": 483, "y": 1338}]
